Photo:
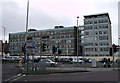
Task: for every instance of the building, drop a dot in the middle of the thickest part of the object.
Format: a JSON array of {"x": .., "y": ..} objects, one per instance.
[
  {"x": 119, "y": 23},
  {"x": 64, "y": 38},
  {"x": 92, "y": 39},
  {"x": 1, "y": 43},
  {"x": 97, "y": 35}
]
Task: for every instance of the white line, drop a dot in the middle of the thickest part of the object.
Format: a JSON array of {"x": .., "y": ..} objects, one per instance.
[
  {"x": 17, "y": 78},
  {"x": 13, "y": 77}
]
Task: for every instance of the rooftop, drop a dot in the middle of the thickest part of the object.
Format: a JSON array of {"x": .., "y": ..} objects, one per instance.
[{"x": 95, "y": 15}]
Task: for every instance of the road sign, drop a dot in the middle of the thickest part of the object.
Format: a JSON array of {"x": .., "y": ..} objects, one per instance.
[
  {"x": 30, "y": 51},
  {"x": 30, "y": 48},
  {"x": 30, "y": 45}
]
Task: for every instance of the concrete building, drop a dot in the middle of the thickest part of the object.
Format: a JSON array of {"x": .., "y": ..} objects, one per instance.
[
  {"x": 97, "y": 35},
  {"x": 119, "y": 23},
  {"x": 94, "y": 38},
  {"x": 64, "y": 38},
  {"x": 1, "y": 43}
]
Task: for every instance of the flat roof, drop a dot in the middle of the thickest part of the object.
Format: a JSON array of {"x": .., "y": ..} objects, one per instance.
[
  {"x": 100, "y": 14},
  {"x": 54, "y": 29}
]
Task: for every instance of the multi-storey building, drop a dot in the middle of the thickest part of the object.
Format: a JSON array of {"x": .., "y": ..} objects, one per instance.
[
  {"x": 94, "y": 38},
  {"x": 97, "y": 35},
  {"x": 119, "y": 23},
  {"x": 1, "y": 47},
  {"x": 64, "y": 38}
]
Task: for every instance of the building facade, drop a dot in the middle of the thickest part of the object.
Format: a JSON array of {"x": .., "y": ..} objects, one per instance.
[
  {"x": 119, "y": 23},
  {"x": 97, "y": 35},
  {"x": 64, "y": 38},
  {"x": 92, "y": 39},
  {"x": 1, "y": 47}
]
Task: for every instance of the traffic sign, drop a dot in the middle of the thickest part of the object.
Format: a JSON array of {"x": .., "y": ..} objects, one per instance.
[
  {"x": 30, "y": 48},
  {"x": 30, "y": 45}
]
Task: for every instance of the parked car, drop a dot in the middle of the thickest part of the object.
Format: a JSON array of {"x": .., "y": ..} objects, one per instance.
[
  {"x": 75, "y": 60},
  {"x": 4, "y": 59},
  {"x": 90, "y": 60},
  {"x": 65, "y": 60},
  {"x": 15, "y": 59},
  {"x": 50, "y": 62},
  {"x": 102, "y": 60},
  {"x": 86, "y": 59},
  {"x": 118, "y": 60}
]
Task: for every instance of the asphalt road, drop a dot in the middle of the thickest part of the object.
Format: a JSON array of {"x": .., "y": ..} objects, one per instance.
[
  {"x": 81, "y": 76},
  {"x": 9, "y": 70}
]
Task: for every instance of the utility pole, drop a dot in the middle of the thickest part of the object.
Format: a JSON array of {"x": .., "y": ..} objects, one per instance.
[
  {"x": 4, "y": 32},
  {"x": 26, "y": 56},
  {"x": 77, "y": 38},
  {"x": 3, "y": 41}
]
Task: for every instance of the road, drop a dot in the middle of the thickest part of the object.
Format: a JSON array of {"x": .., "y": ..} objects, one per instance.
[
  {"x": 80, "y": 76},
  {"x": 9, "y": 70}
]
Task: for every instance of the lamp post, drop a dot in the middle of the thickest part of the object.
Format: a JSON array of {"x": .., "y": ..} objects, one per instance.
[
  {"x": 4, "y": 32},
  {"x": 26, "y": 56},
  {"x": 77, "y": 38},
  {"x": 3, "y": 40},
  {"x": 58, "y": 49}
]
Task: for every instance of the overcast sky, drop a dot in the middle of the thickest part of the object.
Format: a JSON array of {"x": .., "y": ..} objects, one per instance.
[{"x": 45, "y": 14}]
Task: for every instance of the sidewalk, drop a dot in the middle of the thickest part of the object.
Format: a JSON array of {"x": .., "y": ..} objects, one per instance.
[{"x": 75, "y": 69}]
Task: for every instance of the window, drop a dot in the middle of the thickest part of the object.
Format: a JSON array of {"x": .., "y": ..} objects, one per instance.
[
  {"x": 96, "y": 33},
  {"x": 100, "y": 32},
  {"x": 95, "y": 21},
  {"x": 103, "y": 37},
  {"x": 100, "y": 21},
  {"x": 105, "y": 32},
  {"x": 95, "y": 27},
  {"x": 96, "y": 49},
  {"x": 96, "y": 44},
  {"x": 86, "y": 33}
]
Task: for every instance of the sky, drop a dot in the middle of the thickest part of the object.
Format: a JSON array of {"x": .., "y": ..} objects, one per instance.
[{"x": 45, "y": 14}]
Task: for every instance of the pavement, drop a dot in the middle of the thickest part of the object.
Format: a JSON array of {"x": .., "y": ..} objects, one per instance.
[{"x": 76, "y": 69}]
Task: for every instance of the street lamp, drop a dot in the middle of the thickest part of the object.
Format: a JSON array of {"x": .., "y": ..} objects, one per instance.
[
  {"x": 77, "y": 38},
  {"x": 58, "y": 48},
  {"x": 26, "y": 56},
  {"x": 4, "y": 40},
  {"x": 4, "y": 32}
]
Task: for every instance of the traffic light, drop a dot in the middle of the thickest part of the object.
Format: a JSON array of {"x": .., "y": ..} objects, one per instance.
[
  {"x": 24, "y": 49},
  {"x": 54, "y": 49},
  {"x": 110, "y": 52},
  {"x": 59, "y": 51},
  {"x": 114, "y": 48},
  {"x": 43, "y": 47},
  {"x": 81, "y": 49}
]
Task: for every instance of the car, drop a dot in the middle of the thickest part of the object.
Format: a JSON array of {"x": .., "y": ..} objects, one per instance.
[
  {"x": 15, "y": 59},
  {"x": 65, "y": 60},
  {"x": 102, "y": 60},
  {"x": 90, "y": 60},
  {"x": 4, "y": 59},
  {"x": 50, "y": 62},
  {"x": 118, "y": 60},
  {"x": 86, "y": 59},
  {"x": 75, "y": 60}
]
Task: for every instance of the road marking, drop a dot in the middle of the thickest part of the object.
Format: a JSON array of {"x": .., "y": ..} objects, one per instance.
[
  {"x": 17, "y": 78},
  {"x": 9, "y": 79}
]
